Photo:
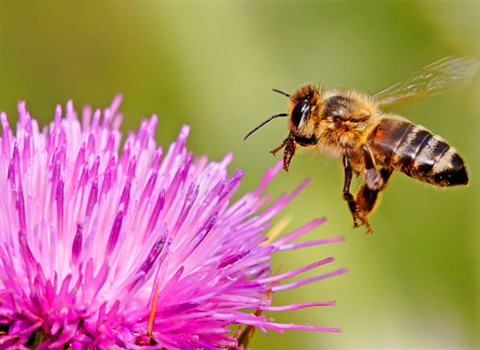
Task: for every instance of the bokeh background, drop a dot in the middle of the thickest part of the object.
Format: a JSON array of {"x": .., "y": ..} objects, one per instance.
[{"x": 414, "y": 283}]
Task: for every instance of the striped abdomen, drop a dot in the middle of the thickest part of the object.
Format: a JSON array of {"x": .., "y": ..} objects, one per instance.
[{"x": 400, "y": 145}]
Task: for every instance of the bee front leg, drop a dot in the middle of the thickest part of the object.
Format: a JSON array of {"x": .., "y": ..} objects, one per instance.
[{"x": 289, "y": 152}]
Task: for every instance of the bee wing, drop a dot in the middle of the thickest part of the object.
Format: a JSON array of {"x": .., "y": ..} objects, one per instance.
[{"x": 445, "y": 74}]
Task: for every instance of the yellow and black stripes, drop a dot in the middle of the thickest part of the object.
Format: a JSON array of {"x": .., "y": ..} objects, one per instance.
[{"x": 402, "y": 146}]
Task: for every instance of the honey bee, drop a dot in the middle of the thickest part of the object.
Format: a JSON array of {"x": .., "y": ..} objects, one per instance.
[{"x": 372, "y": 144}]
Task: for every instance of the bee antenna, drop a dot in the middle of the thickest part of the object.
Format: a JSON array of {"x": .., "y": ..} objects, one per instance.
[
  {"x": 281, "y": 92},
  {"x": 265, "y": 122}
]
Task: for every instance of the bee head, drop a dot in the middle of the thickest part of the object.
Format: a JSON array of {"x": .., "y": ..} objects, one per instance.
[
  {"x": 303, "y": 105},
  {"x": 300, "y": 113},
  {"x": 301, "y": 124}
]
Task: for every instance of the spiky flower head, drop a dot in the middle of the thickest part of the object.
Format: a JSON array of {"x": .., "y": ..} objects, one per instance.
[{"x": 139, "y": 248}]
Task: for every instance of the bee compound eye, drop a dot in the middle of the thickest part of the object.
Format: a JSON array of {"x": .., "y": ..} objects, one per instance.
[{"x": 300, "y": 112}]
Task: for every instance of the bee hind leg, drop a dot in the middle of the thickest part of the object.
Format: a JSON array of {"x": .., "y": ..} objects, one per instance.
[
  {"x": 365, "y": 202},
  {"x": 375, "y": 181},
  {"x": 367, "y": 198},
  {"x": 373, "y": 178},
  {"x": 361, "y": 206}
]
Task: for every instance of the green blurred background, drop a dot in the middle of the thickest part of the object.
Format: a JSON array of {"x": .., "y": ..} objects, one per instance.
[{"x": 414, "y": 283}]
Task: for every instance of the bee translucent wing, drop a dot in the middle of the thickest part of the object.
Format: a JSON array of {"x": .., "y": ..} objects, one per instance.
[{"x": 447, "y": 73}]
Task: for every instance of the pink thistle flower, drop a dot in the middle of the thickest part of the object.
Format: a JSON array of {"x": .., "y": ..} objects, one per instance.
[{"x": 101, "y": 249}]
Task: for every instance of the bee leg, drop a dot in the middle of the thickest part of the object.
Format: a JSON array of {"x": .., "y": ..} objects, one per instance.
[
  {"x": 289, "y": 152},
  {"x": 385, "y": 174},
  {"x": 373, "y": 179},
  {"x": 347, "y": 196},
  {"x": 274, "y": 151},
  {"x": 365, "y": 202},
  {"x": 367, "y": 198}
]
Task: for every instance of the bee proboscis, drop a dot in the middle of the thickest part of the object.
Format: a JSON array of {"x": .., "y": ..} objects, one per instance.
[{"x": 372, "y": 144}]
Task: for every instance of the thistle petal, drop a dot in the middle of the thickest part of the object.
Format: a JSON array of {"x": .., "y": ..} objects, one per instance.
[{"x": 102, "y": 248}]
